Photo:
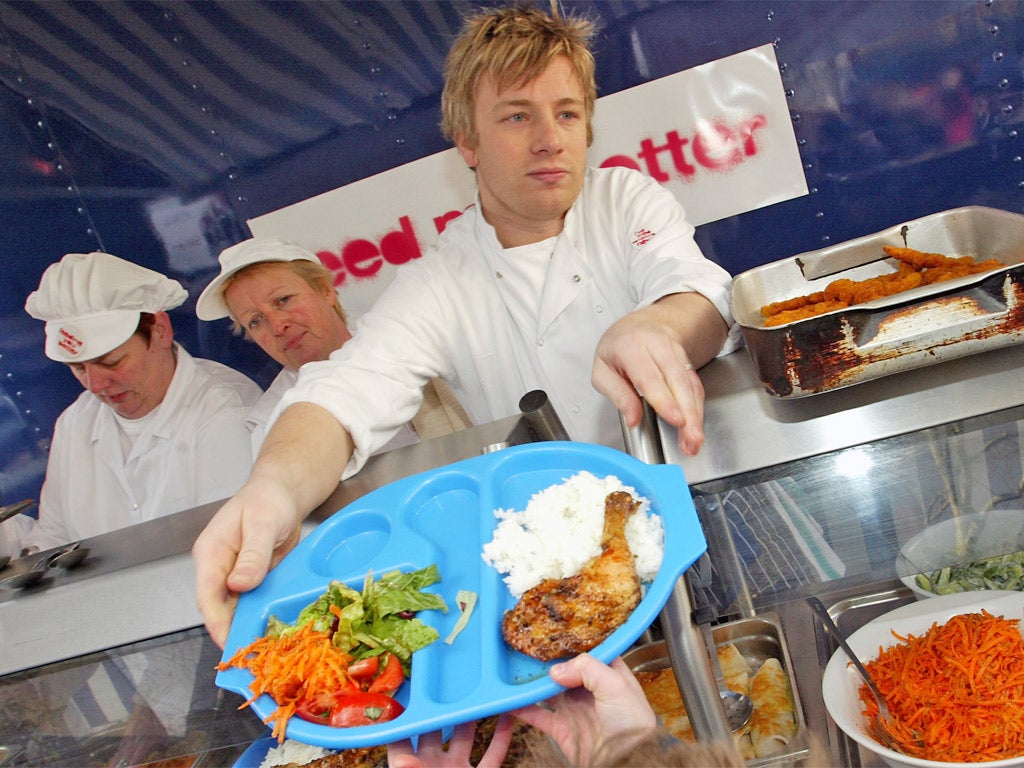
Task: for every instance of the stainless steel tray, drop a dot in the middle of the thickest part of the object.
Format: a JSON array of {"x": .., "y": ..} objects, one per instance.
[
  {"x": 758, "y": 639},
  {"x": 908, "y": 330}
]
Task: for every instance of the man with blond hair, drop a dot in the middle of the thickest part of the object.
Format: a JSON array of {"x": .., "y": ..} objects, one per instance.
[{"x": 585, "y": 283}]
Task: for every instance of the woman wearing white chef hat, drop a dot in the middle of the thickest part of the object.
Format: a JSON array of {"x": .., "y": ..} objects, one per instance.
[
  {"x": 279, "y": 295},
  {"x": 157, "y": 431}
]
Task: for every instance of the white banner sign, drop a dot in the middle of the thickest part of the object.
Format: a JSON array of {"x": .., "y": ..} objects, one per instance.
[{"x": 718, "y": 135}]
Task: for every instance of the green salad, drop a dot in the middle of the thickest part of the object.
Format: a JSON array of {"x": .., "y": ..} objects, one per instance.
[
  {"x": 1001, "y": 572},
  {"x": 382, "y": 617}
]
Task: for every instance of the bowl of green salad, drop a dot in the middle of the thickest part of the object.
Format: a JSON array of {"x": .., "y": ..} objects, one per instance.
[{"x": 963, "y": 553}]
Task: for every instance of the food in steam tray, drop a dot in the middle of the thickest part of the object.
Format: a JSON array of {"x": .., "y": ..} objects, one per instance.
[
  {"x": 346, "y": 654},
  {"x": 575, "y": 559},
  {"x": 772, "y": 723},
  {"x": 916, "y": 268},
  {"x": 956, "y": 693}
]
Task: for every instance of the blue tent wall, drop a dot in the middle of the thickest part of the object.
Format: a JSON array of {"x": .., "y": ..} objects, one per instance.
[{"x": 901, "y": 109}]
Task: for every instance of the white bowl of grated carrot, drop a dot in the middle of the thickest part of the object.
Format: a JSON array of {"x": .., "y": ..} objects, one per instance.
[{"x": 932, "y": 647}]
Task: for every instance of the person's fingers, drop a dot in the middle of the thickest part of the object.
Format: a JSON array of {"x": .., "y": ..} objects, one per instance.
[
  {"x": 660, "y": 372},
  {"x": 688, "y": 396},
  {"x": 431, "y": 752},
  {"x": 460, "y": 745},
  {"x": 216, "y": 606},
  {"x": 402, "y": 755},
  {"x": 255, "y": 551},
  {"x": 540, "y": 718},
  {"x": 404, "y": 761},
  {"x": 213, "y": 559},
  {"x": 494, "y": 756},
  {"x": 218, "y": 620},
  {"x": 621, "y": 668},
  {"x": 614, "y": 687},
  {"x": 578, "y": 671},
  {"x": 690, "y": 437},
  {"x": 233, "y": 555},
  {"x": 618, "y": 389},
  {"x": 681, "y": 404}
]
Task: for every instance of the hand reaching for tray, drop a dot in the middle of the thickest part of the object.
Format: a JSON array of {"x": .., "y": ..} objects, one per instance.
[
  {"x": 433, "y": 753},
  {"x": 603, "y": 705}
]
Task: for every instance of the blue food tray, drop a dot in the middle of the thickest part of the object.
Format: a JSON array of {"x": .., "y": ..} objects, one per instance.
[
  {"x": 445, "y": 516},
  {"x": 256, "y": 753}
]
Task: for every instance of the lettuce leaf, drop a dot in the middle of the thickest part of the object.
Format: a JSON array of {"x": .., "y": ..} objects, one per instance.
[
  {"x": 396, "y": 592},
  {"x": 376, "y": 619}
]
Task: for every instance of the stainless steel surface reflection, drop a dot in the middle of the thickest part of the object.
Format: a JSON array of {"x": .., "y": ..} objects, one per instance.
[
  {"x": 688, "y": 650},
  {"x": 747, "y": 430},
  {"x": 132, "y": 705}
]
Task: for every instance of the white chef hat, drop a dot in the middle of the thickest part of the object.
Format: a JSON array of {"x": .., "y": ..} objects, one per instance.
[
  {"x": 92, "y": 302},
  {"x": 211, "y": 305}
]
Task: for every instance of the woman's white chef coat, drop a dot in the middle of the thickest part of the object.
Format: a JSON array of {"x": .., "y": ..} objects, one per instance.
[
  {"x": 626, "y": 243},
  {"x": 194, "y": 450}
]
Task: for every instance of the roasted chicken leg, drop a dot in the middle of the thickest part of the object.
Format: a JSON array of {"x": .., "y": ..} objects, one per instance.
[{"x": 564, "y": 617}]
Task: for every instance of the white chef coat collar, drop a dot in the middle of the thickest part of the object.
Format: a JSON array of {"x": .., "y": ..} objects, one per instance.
[{"x": 567, "y": 272}]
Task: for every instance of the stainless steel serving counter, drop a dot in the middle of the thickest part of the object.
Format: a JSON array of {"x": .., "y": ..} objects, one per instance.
[
  {"x": 803, "y": 496},
  {"x": 138, "y": 582}
]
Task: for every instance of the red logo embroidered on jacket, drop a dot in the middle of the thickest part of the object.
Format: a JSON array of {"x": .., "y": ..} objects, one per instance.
[{"x": 642, "y": 237}]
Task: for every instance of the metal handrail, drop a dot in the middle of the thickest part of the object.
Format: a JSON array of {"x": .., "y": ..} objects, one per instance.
[
  {"x": 539, "y": 417},
  {"x": 687, "y": 650}
]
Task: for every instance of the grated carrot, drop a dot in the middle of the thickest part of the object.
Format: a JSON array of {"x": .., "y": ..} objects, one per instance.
[
  {"x": 956, "y": 693},
  {"x": 290, "y": 668}
]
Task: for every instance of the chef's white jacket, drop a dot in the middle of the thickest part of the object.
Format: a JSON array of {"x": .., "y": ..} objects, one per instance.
[
  {"x": 258, "y": 419},
  {"x": 195, "y": 450},
  {"x": 626, "y": 243}
]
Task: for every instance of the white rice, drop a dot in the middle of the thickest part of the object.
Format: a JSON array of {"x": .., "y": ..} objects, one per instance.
[
  {"x": 560, "y": 530},
  {"x": 291, "y": 751}
]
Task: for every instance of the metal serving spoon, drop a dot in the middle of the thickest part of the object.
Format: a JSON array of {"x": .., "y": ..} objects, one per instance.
[
  {"x": 69, "y": 556},
  {"x": 27, "y": 578},
  {"x": 8, "y": 511},
  {"x": 738, "y": 706},
  {"x": 65, "y": 557},
  {"x": 880, "y": 723}
]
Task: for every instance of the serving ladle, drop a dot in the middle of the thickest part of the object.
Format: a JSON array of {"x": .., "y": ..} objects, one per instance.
[
  {"x": 738, "y": 707},
  {"x": 66, "y": 557}
]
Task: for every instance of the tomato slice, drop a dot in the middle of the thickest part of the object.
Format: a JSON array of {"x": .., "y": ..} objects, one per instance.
[
  {"x": 364, "y": 669},
  {"x": 390, "y": 678},
  {"x": 364, "y": 709},
  {"x": 317, "y": 709}
]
